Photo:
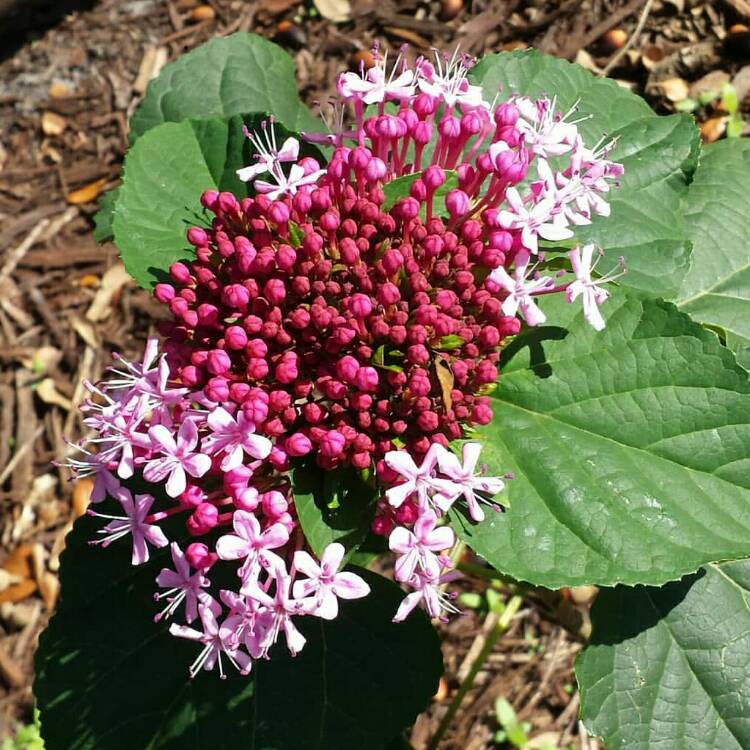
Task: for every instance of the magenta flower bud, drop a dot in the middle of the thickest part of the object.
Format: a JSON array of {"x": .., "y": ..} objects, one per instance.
[
  {"x": 247, "y": 499},
  {"x": 217, "y": 389},
  {"x": 164, "y": 293},
  {"x": 428, "y": 421},
  {"x": 235, "y": 338},
  {"x": 197, "y": 236},
  {"x": 218, "y": 362},
  {"x": 361, "y": 460},
  {"x": 252, "y": 324},
  {"x": 178, "y": 306},
  {"x": 425, "y": 105},
  {"x": 274, "y": 503},
  {"x": 274, "y": 291},
  {"x": 382, "y": 525},
  {"x": 190, "y": 376},
  {"x": 255, "y": 409},
  {"x": 376, "y": 170},
  {"x": 209, "y": 198},
  {"x": 257, "y": 368},
  {"x": 419, "y": 383},
  {"x": 343, "y": 335},
  {"x": 406, "y": 514},
  {"x": 180, "y": 273},
  {"x": 359, "y": 158},
  {"x": 422, "y": 133},
  {"x": 302, "y": 202},
  {"x": 309, "y": 165},
  {"x": 335, "y": 390},
  {"x": 392, "y": 261},
  {"x": 489, "y": 337},
  {"x": 278, "y": 212},
  {"x": 433, "y": 177},
  {"x": 471, "y": 230},
  {"x": 256, "y": 348},
  {"x": 360, "y": 306},
  {"x": 199, "y": 556},
  {"x": 313, "y": 413},
  {"x": 330, "y": 221},
  {"x": 406, "y": 209},
  {"x": 418, "y": 354},
  {"x": 321, "y": 200},
  {"x": 278, "y": 400},
  {"x": 237, "y": 479},
  {"x": 286, "y": 257},
  {"x": 298, "y": 444},
  {"x": 450, "y": 127},
  {"x": 192, "y": 497},
  {"x": 347, "y": 368},
  {"x": 227, "y": 203},
  {"x": 286, "y": 371},
  {"x": 367, "y": 379},
  {"x": 397, "y": 335},
  {"x": 481, "y": 414},
  {"x": 409, "y": 117},
  {"x": 508, "y": 326},
  {"x": 361, "y": 401},
  {"x": 471, "y": 124},
  {"x": 235, "y": 295},
  {"x": 418, "y": 191},
  {"x": 457, "y": 203},
  {"x": 332, "y": 444},
  {"x": 486, "y": 372},
  {"x": 203, "y": 519},
  {"x": 388, "y": 294},
  {"x": 238, "y": 392},
  {"x": 506, "y": 115}
]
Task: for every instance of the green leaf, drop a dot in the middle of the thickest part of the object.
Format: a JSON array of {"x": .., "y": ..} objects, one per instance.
[
  {"x": 108, "y": 678},
  {"x": 659, "y": 154},
  {"x": 629, "y": 447},
  {"x": 717, "y": 288},
  {"x": 399, "y": 188},
  {"x": 227, "y": 76},
  {"x": 332, "y": 507},
  {"x": 668, "y": 667},
  {"x": 103, "y": 217}
]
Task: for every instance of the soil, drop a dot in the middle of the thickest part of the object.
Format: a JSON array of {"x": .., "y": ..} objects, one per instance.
[{"x": 71, "y": 73}]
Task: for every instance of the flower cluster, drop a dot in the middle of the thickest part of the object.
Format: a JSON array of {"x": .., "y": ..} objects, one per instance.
[{"x": 349, "y": 314}]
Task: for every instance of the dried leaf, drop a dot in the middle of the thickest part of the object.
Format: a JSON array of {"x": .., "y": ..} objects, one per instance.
[
  {"x": 675, "y": 89},
  {"x": 87, "y": 193},
  {"x": 58, "y": 90},
  {"x": 446, "y": 380},
  {"x": 49, "y": 587},
  {"x": 42, "y": 360},
  {"x": 583, "y": 594},
  {"x": 153, "y": 60},
  {"x": 7, "y": 579},
  {"x": 713, "y": 128},
  {"x": 86, "y": 331},
  {"x": 47, "y": 391},
  {"x": 52, "y": 123},
  {"x": 336, "y": 11},
  {"x": 112, "y": 283},
  {"x": 18, "y": 562},
  {"x": 18, "y": 592},
  {"x": 82, "y": 495}
]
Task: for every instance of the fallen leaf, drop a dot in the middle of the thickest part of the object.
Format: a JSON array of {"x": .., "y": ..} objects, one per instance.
[
  {"x": 112, "y": 283},
  {"x": 87, "y": 193},
  {"x": 58, "y": 90},
  {"x": 52, "y": 123},
  {"x": 49, "y": 588},
  {"x": 86, "y": 330},
  {"x": 18, "y": 592},
  {"x": 713, "y": 128},
  {"x": 442, "y": 691},
  {"x": 711, "y": 82},
  {"x": 336, "y": 11},
  {"x": 7, "y": 579},
  {"x": 18, "y": 562},
  {"x": 153, "y": 60},
  {"x": 42, "y": 360},
  {"x": 543, "y": 740},
  {"x": 675, "y": 89},
  {"x": 47, "y": 391},
  {"x": 446, "y": 380},
  {"x": 82, "y": 495},
  {"x": 583, "y": 594}
]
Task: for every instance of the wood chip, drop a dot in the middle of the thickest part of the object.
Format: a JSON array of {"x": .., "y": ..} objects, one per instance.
[
  {"x": 675, "y": 89},
  {"x": 336, "y": 11},
  {"x": 49, "y": 588},
  {"x": 713, "y": 128},
  {"x": 47, "y": 392},
  {"x": 82, "y": 496},
  {"x": 11, "y": 672},
  {"x": 18, "y": 592}
]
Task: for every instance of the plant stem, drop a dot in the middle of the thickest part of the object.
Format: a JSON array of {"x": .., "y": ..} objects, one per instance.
[{"x": 492, "y": 637}]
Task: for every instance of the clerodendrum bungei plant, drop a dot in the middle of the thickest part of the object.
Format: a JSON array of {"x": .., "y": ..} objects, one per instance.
[{"x": 400, "y": 336}]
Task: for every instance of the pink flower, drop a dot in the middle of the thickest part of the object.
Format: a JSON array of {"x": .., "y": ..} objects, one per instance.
[
  {"x": 427, "y": 591},
  {"x": 133, "y": 523},
  {"x": 545, "y": 132},
  {"x": 287, "y": 185},
  {"x": 589, "y": 290},
  {"x": 254, "y": 546},
  {"x": 446, "y": 80},
  {"x": 178, "y": 457},
  {"x": 373, "y": 87},
  {"x": 183, "y": 587},
  {"x": 417, "y": 548},
  {"x": 520, "y": 291},
  {"x": 266, "y": 152},
  {"x": 419, "y": 480},
  {"x": 276, "y": 615},
  {"x": 234, "y": 437},
  {"x": 463, "y": 476},
  {"x": 324, "y": 584},
  {"x": 541, "y": 220},
  {"x": 217, "y": 640}
]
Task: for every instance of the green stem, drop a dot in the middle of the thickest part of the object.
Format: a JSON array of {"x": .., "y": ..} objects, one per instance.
[{"x": 500, "y": 627}]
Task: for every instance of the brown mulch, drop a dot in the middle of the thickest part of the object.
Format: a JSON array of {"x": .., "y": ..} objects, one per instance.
[{"x": 67, "y": 88}]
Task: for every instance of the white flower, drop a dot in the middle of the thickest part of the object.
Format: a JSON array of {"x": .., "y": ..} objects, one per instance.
[{"x": 521, "y": 290}]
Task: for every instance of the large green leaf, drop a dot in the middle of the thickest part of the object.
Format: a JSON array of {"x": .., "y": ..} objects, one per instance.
[
  {"x": 659, "y": 153},
  {"x": 631, "y": 450},
  {"x": 717, "y": 214},
  {"x": 108, "y": 678},
  {"x": 332, "y": 506},
  {"x": 670, "y": 667},
  {"x": 227, "y": 76}
]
